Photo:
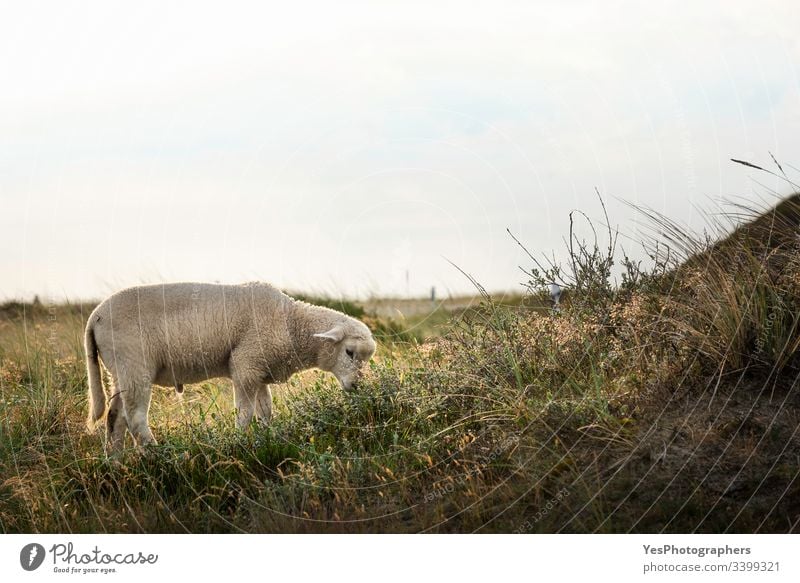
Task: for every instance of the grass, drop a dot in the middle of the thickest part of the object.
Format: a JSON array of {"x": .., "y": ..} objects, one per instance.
[{"x": 663, "y": 400}]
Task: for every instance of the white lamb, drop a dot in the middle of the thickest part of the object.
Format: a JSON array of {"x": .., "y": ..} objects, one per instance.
[{"x": 181, "y": 333}]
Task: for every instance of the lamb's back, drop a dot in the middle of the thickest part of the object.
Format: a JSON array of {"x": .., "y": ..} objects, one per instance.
[{"x": 177, "y": 320}]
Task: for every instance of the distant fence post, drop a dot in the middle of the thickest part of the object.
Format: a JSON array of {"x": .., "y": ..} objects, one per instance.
[{"x": 555, "y": 295}]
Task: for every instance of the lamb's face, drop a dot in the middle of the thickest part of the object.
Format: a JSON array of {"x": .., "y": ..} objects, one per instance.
[{"x": 348, "y": 348}]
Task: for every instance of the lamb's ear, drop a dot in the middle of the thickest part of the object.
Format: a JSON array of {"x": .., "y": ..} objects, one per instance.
[{"x": 336, "y": 334}]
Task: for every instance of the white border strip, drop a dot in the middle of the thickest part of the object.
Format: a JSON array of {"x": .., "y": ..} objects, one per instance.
[{"x": 373, "y": 558}]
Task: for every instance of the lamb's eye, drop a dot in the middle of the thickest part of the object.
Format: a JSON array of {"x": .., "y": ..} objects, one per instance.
[{"x": 350, "y": 353}]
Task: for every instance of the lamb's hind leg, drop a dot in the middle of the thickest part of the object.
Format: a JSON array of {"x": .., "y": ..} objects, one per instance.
[
  {"x": 116, "y": 425},
  {"x": 135, "y": 393}
]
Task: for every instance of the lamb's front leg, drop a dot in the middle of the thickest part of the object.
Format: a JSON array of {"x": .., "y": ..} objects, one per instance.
[
  {"x": 248, "y": 381},
  {"x": 244, "y": 396},
  {"x": 264, "y": 405},
  {"x": 244, "y": 400}
]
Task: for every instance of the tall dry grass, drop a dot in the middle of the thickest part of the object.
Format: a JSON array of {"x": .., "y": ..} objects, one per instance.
[{"x": 658, "y": 398}]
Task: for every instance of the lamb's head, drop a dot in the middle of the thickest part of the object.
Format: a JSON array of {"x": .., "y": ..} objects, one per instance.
[{"x": 346, "y": 349}]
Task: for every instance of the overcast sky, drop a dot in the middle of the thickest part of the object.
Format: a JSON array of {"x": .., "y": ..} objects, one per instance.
[{"x": 336, "y": 146}]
